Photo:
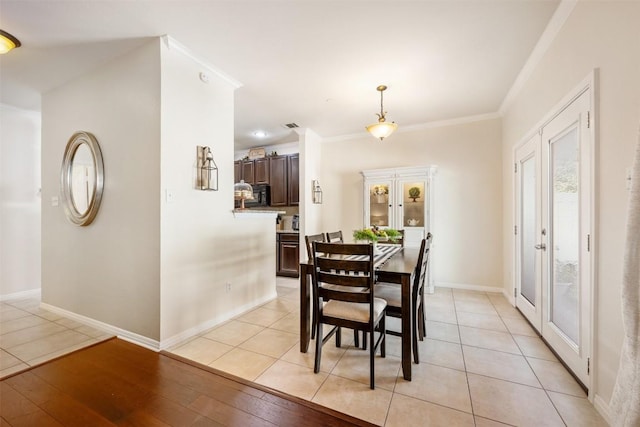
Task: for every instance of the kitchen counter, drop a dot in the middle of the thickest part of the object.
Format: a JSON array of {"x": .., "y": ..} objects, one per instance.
[{"x": 288, "y": 231}]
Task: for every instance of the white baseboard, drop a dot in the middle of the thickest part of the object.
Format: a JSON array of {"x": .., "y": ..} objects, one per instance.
[
  {"x": 469, "y": 287},
  {"x": 191, "y": 332},
  {"x": 603, "y": 408},
  {"x": 120, "y": 333},
  {"x": 151, "y": 343},
  {"x": 31, "y": 293}
]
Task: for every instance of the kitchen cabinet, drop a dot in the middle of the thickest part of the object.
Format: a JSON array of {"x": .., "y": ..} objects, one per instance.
[
  {"x": 284, "y": 179},
  {"x": 293, "y": 177},
  {"x": 243, "y": 169},
  {"x": 261, "y": 171},
  {"x": 278, "y": 180},
  {"x": 400, "y": 198},
  {"x": 288, "y": 254},
  {"x": 237, "y": 171},
  {"x": 247, "y": 171},
  {"x": 252, "y": 171}
]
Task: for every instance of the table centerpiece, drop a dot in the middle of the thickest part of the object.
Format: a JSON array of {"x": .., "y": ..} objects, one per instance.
[{"x": 375, "y": 234}]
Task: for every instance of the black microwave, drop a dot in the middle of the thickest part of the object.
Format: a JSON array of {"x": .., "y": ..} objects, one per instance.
[{"x": 261, "y": 196}]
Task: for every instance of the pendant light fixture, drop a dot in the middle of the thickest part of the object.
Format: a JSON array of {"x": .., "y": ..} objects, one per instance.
[
  {"x": 382, "y": 129},
  {"x": 8, "y": 42}
]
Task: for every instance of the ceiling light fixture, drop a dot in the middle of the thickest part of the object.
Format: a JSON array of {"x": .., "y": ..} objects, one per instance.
[
  {"x": 382, "y": 129},
  {"x": 260, "y": 134},
  {"x": 8, "y": 42}
]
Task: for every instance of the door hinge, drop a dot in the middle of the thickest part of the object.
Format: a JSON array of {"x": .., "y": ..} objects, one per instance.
[
  {"x": 515, "y": 168},
  {"x": 515, "y": 292},
  {"x": 588, "y": 365},
  {"x": 588, "y": 242},
  {"x": 515, "y": 230},
  {"x": 588, "y": 119}
]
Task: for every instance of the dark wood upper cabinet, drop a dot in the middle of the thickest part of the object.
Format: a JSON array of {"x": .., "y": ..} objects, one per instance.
[
  {"x": 247, "y": 171},
  {"x": 261, "y": 171},
  {"x": 237, "y": 171},
  {"x": 293, "y": 176},
  {"x": 278, "y": 180}
]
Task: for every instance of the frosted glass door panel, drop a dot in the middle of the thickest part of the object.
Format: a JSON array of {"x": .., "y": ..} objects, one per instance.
[
  {"x": 528, "y": 225},
  {"x": 565, "y": 249},
  {"x": 413, "y": 203},
  {"x": 379, "y": 205}
]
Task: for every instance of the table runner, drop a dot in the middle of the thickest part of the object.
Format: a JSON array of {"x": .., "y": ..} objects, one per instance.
[{"x": 381, "y": 254}]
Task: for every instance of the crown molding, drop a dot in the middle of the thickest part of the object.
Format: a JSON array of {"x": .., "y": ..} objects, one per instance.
[{"x": 173, "y": 44}]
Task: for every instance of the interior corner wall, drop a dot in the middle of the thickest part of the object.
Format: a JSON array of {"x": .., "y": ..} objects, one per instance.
[
  {"x": 19, "y": 201},
  {"x": 468, "y": 193},
  {"x": 213, "y": 265},
  {"x": 107, "y": 271},
  {"x": 603, "y": 36}
]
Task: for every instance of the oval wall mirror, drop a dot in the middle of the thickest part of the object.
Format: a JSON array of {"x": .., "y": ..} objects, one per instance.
[{"x": 82, "y": 178}]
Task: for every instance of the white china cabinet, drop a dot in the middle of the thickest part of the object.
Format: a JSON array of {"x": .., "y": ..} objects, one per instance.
[{"x": 400, "y": 198}]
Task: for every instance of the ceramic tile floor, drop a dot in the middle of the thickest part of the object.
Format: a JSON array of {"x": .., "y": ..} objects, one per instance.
[
  {"x": 30, "y": 335},
  {"x": 481, "y": 364}
]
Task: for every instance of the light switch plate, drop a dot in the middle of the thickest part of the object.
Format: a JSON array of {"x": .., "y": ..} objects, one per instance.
[{"x": 54, "y": 201}]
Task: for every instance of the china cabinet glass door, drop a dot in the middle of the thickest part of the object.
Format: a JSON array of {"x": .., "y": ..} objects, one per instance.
[
  {"x": 414, "y": 195},
  {"x": 380, "y": 204}
]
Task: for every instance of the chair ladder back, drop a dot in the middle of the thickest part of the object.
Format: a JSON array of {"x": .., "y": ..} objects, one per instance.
[
  {"x": 310, "y": 239},
  {"x": 335, "y": 237}
]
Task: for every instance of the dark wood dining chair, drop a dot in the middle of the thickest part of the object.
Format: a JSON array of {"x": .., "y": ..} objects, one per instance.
[
  {"x": 353, "y": 305},
  {"x": 335, "y": 237},
  {"x": 391, "y": 292},
  {"x": 309, "y": 241}
]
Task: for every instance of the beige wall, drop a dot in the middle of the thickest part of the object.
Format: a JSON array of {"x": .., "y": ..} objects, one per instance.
[
  {"x": 19, "y": 202},
  {"x": 468, "y": 215},
  {"x": 110, "y": 270},
  {"x": 603, "y": 36}
]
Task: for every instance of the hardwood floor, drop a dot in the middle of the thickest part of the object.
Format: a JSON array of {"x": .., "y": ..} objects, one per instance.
[{"x": 119, "y": 383}]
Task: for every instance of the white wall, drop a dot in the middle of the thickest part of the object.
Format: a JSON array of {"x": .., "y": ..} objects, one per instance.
[
  {"x": 108, "y": 271},
  {"x": 310, "y": 169},
  {"x": 603, "y": 35},
  {"x": 203, "y": 246},
  {"x": 19, "y": 201},
  {"x": 155, "y": 270},
  {"x": 468, "y": 214}
]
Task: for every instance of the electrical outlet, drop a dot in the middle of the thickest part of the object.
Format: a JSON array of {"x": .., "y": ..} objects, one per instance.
[{"x": 228, "y": 287}]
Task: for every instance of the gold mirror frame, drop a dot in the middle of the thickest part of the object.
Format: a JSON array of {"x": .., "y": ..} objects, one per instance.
[{"x": 66, "y": 179}]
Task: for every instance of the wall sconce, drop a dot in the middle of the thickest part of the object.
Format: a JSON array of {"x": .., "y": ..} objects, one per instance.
[
  {"x": 317, "y": 192},
  {"x": 207, "y": 170}
]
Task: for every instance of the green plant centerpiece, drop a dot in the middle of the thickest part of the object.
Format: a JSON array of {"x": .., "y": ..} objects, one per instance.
[
  {"x": 376, "y": 234},
  {"x": 414, "y": 193}
]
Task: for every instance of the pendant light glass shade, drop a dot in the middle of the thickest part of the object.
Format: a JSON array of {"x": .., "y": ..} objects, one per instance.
[{"x": 382, "y": 129}]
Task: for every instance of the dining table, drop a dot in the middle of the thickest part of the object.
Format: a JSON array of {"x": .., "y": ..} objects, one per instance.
[{"x": 393, "y": 264}]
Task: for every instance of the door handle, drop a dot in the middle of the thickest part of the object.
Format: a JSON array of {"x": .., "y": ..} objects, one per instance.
[{"x": 541, "y": 246}]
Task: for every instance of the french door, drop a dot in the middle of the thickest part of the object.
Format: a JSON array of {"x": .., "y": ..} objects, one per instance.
[{"x": 553, "y": 233}]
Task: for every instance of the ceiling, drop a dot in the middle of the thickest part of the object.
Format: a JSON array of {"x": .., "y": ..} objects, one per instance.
[{"x": 315, "y": 63}]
